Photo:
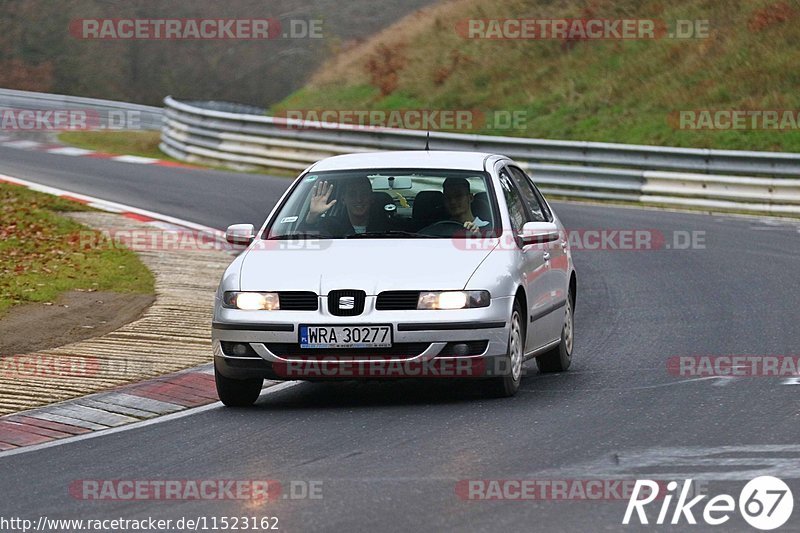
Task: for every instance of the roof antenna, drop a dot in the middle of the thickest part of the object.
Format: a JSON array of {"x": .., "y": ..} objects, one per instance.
[{"x": 428, "y": 142}]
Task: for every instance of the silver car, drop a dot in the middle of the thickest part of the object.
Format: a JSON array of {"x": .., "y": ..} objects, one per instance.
[{"x": 397, "y": 265}]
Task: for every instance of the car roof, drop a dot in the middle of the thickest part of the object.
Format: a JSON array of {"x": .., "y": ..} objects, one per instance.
[{"x": 407, "y": 159}]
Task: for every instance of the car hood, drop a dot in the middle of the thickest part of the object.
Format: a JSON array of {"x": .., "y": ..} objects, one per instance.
[{"x": 371, "y": 265}]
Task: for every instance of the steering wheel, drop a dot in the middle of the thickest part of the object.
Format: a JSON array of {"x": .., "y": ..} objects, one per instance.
[{"x": 443, "y": 228}]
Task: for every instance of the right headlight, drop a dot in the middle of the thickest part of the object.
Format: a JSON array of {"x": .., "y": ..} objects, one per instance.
[{"x": 252, "y": 301}]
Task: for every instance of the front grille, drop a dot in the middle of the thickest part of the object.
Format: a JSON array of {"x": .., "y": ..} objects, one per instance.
[
  {"x": 397, "y": 301},
  {"x": 298, "y": 301},
  {"x": 402, "y": 350},
  {"x": 335, "y": 300},
  {"x": 473, "y": 348}
]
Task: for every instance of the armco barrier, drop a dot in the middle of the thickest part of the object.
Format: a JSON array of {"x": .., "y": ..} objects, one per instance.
[
  {"x": 239, "y": 136},
  {"x": 719, "y": 180},
  {"x": 121, "y": 115}
]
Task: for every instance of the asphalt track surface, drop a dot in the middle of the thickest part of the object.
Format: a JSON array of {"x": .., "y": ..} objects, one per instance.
[{"x": 390, "y": 456}]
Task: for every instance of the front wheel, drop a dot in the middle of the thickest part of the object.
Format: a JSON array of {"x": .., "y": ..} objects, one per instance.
[
  {"x": 237, "y": 392},
  {"x": 559, "y": 358},
  {"x": 510, "y": 366}
]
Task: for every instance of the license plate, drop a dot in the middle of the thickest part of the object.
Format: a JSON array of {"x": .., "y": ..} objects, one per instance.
[{"x": 345, "y": 336}]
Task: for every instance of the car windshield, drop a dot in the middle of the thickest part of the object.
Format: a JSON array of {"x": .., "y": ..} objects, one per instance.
[{"x": 385, "y": 204}]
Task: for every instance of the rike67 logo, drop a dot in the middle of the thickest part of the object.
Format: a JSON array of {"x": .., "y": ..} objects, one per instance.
[{"x": 765, "y": 503}]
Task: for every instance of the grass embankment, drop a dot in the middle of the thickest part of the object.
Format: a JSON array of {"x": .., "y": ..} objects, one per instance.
[
  {"x": 611, "y": 91},
  {"x": 141, "y": 143},
  {"x": 41, "y": 255}
]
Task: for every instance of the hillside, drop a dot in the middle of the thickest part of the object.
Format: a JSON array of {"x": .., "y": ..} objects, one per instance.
[
  {"x": 601, "y": 90},
  {"x": 38, "y": 51}
]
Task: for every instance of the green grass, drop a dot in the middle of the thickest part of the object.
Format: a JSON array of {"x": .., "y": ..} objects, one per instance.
[
  {"x": 141, "y": 143},
  {"x": 41, "y": 254},
  {"x": 610, "y": 91}
]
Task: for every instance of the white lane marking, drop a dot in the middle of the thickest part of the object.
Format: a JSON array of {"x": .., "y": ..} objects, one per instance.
[
  {"x": 135, "y": 159},
  {"x": 69, "y": 150},
  {"x": 719, "y": 463},
  {"x": 144, "y": 423},
  {"x": 104, "y": 207},
  {"x": 114, "y": 207},
  {"x": 641, "y": 387},
  {"x": 21, "y": 144}
]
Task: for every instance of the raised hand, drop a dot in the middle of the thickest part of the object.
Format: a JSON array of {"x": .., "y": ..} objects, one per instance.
[{"x": 320, "y": 194}]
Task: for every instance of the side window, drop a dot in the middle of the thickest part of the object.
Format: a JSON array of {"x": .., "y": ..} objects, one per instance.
[
  {"x": 531, "y": 198},
  {"x": 548, "y": 215},
  {"x": 516, "y": 207}
]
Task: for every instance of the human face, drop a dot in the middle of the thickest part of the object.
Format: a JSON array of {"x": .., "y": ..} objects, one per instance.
[
  {"x": 357, "y": 198},
  {"x": 457, "y": 202}
]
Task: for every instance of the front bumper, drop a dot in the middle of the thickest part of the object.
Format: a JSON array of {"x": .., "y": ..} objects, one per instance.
[{"x": 273, "y": 337}]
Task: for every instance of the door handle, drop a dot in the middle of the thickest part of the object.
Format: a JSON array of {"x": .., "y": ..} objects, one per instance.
[
  {"x": 546, "y": 256},
  {"x": 564, "y": 245}
]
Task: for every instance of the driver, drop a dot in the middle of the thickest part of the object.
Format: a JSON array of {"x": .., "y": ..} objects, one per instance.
[
  {"x": 458, "y": 202},
  {"x": 358, "y": 216}
]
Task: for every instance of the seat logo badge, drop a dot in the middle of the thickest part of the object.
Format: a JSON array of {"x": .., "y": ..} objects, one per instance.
[{"x": 347, "y": 302}]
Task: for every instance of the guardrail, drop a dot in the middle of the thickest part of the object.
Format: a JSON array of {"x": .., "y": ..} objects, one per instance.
[
  {"x": 719, "y": 180},
  {"x": 108, "y": 113}
]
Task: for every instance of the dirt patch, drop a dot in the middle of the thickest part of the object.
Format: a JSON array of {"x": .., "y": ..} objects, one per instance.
[{"x": 73, "y": 317}]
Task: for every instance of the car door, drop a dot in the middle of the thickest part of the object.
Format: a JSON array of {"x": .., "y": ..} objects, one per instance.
[
  {"x": 554, "y": 278},
  {"x": 531, "y": 265}
]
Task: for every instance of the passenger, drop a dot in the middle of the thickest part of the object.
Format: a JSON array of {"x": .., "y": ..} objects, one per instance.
[
  {"x": 458, "y": 202},
  {"x": 358, "y": 216}
]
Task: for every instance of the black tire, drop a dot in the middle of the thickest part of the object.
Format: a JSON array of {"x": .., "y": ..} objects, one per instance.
[
  {"x": 237, "y": 392},
  {"x": 560, "y": 358},
  {"x": 510, "y": 367}
]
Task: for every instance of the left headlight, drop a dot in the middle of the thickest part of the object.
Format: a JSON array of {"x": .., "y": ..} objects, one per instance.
[
  {"x": 252, "y": 301},
  {"x": 453, "y": 299}
]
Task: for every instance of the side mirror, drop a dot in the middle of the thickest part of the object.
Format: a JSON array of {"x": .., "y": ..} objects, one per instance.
[
  {"x": 240, "y": 234},
  {"x": 539, "y": 233}
]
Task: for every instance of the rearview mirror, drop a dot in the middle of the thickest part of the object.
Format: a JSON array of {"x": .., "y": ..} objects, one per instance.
[
  {"x": 539, "y": 232},
  {"x": 391, "y": 183},
  {"x": 240, "y": 234}
]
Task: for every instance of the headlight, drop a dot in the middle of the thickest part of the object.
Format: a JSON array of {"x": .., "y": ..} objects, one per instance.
[
  {"x": 252, "y": 301},
  {"x": 453, "y": 299}
]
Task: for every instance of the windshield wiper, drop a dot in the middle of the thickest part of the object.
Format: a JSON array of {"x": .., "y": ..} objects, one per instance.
[
  {"x": 298, "y": 236},
  {"x": 389, "y": 234}
]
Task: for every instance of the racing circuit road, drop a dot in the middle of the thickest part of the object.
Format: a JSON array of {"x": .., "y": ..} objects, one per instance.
[{"x": 390, "y": 455}]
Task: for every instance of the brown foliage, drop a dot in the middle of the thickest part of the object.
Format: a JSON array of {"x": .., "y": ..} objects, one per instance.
[
  {"x": 26, "y": 77},
  {"x": 384, "y": 67},
  {"x": 770, "y": 15},
  {"x": 443, "y": 73}
]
